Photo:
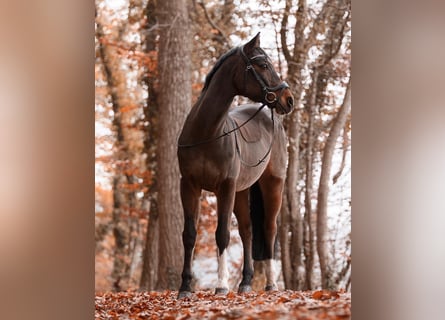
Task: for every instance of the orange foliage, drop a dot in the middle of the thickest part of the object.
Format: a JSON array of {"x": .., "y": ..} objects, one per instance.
[
  {"x": 204, "y": 304},
  {"x": 105, "y": 197},
  {"x": 197, "y": 86},
  {"x": 130, "y": 107},
  {"x": 148, "y": 59},
  {"x": 325, "y": 295}
]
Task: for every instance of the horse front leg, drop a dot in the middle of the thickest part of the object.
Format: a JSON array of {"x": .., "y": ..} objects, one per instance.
[
  {"x": 242, "y": 213},
  {"x": 190, "y": 203},
  {"x": 225, "y": 201}
]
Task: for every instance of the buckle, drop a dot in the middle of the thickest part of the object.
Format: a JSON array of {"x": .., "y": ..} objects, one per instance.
[{"x": 270, "y": 97}]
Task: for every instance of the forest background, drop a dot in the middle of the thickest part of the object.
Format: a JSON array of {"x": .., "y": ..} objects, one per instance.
[{"x": 149, "y": 53}]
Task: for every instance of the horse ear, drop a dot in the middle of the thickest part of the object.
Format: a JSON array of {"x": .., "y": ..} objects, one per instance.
[{"x": 252, "y": 44}]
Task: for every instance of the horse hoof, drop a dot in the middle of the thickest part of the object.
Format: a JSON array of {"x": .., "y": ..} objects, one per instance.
[
  {"x": 221, "y": 291},
  {"x": 184, "y": 294},
  {"x": 244, "y": 289},
  {"x": 271, "y": 287}
]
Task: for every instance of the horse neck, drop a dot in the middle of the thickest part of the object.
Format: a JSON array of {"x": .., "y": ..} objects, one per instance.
[{"x": 210, "y": 111}]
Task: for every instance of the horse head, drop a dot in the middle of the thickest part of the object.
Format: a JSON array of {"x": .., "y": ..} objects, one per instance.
[{"x": 257, "y": 79}]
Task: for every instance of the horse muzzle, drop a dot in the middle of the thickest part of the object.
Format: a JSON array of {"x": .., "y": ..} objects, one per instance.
[{"x": 283, "y": 102}]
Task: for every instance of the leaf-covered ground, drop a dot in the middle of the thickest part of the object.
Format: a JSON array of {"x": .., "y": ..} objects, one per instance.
[{"x": 205, "y": 305}]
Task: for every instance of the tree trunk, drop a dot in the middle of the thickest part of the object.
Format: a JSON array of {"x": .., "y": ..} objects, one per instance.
[
  {"x": 284, "y": 230},
  {"x": 292, "y": 223},
  {"x": 149, "y": 273},
  {"x": 291, "y": 219},
  {"x": 323, "y": 191},
  {"x": 120, "y": 232},
  {"x": 309, "y": 235},
  {"x": 174, "y": 101}
]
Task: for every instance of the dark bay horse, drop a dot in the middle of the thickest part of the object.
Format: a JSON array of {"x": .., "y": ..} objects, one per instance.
[{"x": 238, "y": 154}]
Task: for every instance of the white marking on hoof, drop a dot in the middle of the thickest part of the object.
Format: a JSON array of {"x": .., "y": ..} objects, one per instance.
[
  {"x": 223, "y": 272},
  {"x": 270, "y": 274}
]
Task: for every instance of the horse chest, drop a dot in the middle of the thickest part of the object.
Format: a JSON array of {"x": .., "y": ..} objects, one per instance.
[{"x": 208, "y": 168}]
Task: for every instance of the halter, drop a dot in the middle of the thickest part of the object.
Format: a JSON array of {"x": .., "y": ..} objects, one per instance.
[{"x": 270, "y": 97}]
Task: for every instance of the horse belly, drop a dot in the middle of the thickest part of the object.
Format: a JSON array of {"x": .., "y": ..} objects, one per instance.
[
  {"x": 274, "y": 163},
  {"x": 248, "y": 176}
]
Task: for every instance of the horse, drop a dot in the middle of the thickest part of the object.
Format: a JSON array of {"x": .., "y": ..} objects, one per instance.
[{"x": 240, "y": 155}]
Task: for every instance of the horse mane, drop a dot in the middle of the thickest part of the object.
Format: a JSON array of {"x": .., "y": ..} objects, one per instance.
[{"x": 217, "y": 65}]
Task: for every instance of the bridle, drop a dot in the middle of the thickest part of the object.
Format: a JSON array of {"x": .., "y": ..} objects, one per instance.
[{"x": 270, "y": 97}]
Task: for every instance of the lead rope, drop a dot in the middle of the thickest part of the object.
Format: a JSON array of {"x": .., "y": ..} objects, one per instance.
[{"x": 268, "y": 151}]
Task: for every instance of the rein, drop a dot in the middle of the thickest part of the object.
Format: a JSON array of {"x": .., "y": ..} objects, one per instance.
[
  {"x": 238, "y": 151},
  {"x": 225, "y": 133},
  {"x": 268, "y": 151}
]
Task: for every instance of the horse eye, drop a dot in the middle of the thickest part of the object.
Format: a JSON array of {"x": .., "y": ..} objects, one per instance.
[{"x": 265, "y": 66}]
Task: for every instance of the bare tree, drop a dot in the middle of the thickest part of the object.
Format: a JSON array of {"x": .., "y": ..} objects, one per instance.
[
  {"x": 308, "y": 233},
  {"x": 291, "y": 219},
  {"x": 323, "y": 190},
  {"x": 297, "y": 232},
  {"x": 337, "y": 16}
]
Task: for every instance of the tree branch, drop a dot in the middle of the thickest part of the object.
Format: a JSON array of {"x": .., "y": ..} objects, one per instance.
[
  {"x": 343, "y": 158},
  {"x": 299, "y": 30},
  {"x": 283, "y": 30},
  {"x": 213, "y": 24}
]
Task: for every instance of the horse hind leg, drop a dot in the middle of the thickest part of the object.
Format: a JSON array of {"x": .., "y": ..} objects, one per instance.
[
  {"x": 190, "y": 202},
  {"x": 225, "y": 202},
  {"x": 270, "y": 275},
  {"x": 271, "y": 190},
  {"x": 241, "y": 210}
]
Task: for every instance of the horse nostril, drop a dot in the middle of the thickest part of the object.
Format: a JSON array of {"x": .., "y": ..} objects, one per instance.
[{"x": 290, "y": 101}]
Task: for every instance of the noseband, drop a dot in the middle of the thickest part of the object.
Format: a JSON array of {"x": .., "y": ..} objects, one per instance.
[{"x": 270, "y": 97}]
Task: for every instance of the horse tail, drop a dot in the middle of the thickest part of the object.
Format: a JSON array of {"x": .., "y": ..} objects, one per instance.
[{"x": 257, "y": 220}]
